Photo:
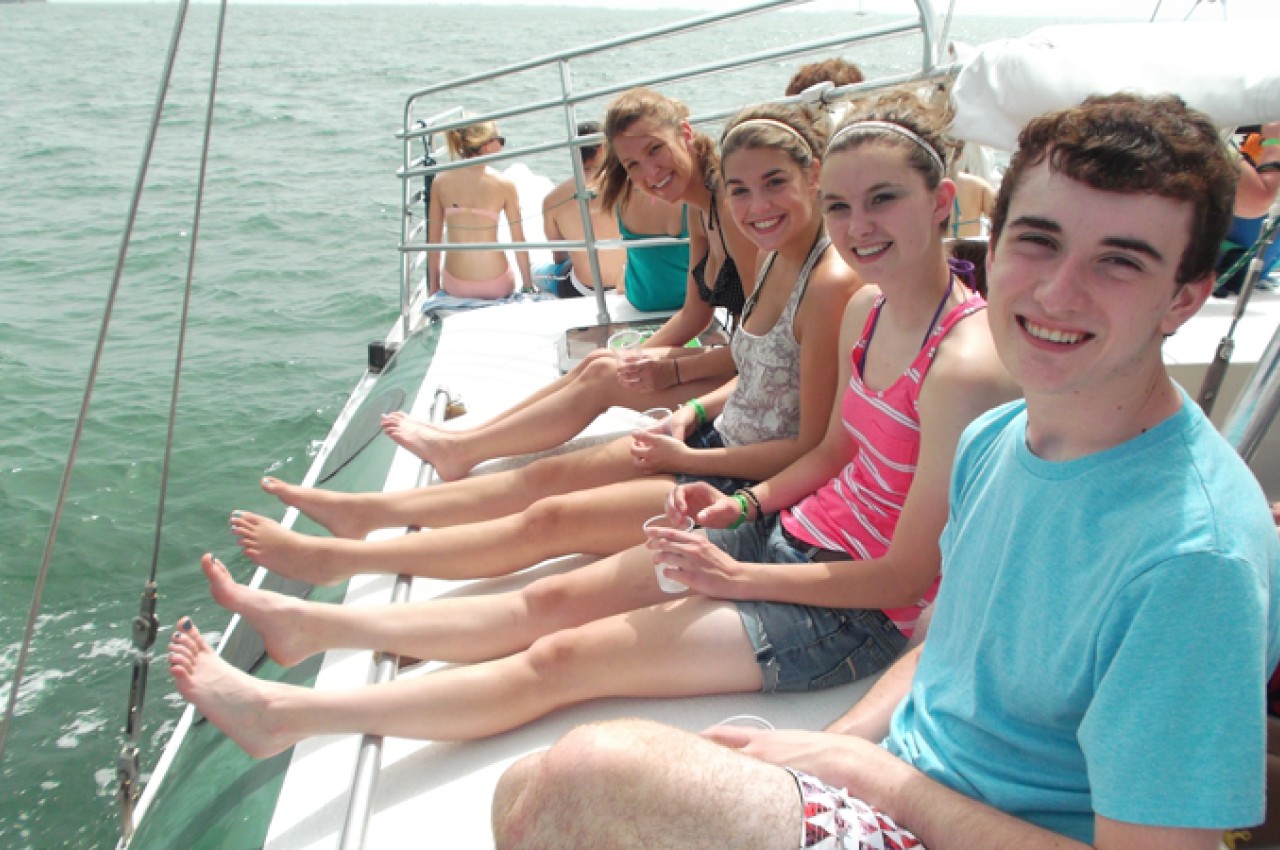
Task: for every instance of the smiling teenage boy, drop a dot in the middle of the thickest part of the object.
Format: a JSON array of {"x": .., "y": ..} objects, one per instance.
[{"x": 1094, "y": 670}]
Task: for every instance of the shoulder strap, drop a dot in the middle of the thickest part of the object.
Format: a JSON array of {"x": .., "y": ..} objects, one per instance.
[{"x": 764, "y": 271}]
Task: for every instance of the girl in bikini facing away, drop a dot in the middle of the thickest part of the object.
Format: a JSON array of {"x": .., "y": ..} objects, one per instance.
[
  {"x": 651, "y": 151},
  {"x": 595, "y": 500},
  {"x": 468, "y": 201},
  {"x": 917, "y": 363}
]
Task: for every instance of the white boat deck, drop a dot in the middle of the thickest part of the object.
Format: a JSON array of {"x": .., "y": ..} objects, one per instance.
[{"x": 438, "y": 794}]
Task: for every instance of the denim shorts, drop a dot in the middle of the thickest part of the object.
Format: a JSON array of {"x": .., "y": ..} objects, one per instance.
[
  {"x": 707, "y": 437},
  {"x": 801, "y": 647}
]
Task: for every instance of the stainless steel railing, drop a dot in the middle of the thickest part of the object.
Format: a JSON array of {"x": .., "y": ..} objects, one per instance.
[{"x": 568, "y": 100}]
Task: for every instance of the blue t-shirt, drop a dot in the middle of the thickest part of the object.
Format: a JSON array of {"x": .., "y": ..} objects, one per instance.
[{"x": 1103, "y": 634}]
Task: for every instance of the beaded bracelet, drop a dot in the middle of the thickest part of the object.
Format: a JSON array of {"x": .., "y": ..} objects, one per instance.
[
  {"x": 699, "y": 410},
  {"x": 742, "y": 503},
  {"x": 750, "y": 496}
]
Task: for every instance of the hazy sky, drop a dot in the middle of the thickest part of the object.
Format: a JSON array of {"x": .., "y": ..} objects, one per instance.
[{"x": 1091, "y": 9}]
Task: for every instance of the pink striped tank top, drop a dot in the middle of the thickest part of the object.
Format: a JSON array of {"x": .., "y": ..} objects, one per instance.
[{"x": 856, "y": 511}]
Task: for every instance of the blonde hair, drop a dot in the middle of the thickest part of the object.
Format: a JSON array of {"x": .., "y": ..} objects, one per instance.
[
  {"x": 670, "y": 114},
  {"x": 465, "y": 142}
]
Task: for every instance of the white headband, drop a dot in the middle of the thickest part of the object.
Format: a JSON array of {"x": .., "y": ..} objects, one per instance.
[
  {"x": 892, "y": 128},
  {"x": 773, "y": 123}
]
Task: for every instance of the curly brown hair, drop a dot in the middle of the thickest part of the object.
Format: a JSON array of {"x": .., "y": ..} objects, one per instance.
[
  {"x": 1135, "y": 145},
  {"x": 670, "y": 114},
  {"x": 835, "y": 70}
]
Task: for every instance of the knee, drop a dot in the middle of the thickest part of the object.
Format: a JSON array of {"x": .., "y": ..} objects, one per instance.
[
  {"x": 546, "y": 518},
  {"x": 599, "y": 372},
  {"x": 546, "y": 598},
  {"x": 552, "y": 659},
  {"x": 512, "y": 824},
  {"x": 552, "y": 799}
]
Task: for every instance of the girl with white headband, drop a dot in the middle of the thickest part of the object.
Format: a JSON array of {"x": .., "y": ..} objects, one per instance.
[
  {"x": 855, "y": 523},
  {"x": 606, "y": 628}
]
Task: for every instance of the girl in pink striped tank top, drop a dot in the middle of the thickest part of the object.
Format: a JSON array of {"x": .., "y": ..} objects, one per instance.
[{"x": 830, "y": 562}]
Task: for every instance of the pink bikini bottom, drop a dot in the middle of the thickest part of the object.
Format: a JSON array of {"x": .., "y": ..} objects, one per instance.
[{"x": 499, "y": 287}]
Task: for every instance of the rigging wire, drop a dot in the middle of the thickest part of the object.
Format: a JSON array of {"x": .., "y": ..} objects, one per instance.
[
  {"x": 186, "y": 298},
  {"x": 145, "y": 624},
  {"x": 43, "y": 573}
]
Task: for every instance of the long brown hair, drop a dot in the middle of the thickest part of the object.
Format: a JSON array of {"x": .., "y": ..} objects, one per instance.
[{"x": 670, "y": 114}]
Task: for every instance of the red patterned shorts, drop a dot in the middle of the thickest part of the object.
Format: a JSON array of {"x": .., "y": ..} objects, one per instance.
[{"x": 835, "y": 821}]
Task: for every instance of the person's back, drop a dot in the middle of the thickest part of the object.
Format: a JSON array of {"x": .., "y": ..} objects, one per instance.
[
  {"x": 974, "y": 199},
  {"x": 466, "y": 206},
  {"x": 562, "y": 219}
]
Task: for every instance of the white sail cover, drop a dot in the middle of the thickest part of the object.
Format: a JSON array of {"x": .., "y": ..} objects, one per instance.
[{"x": 1228, "y": 69}]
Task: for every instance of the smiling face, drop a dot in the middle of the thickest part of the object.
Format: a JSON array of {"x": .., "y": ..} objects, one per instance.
[
  {"x": 1082, "y": 287},
  {"x": 881, "y": 215},
  {"x": 770, "y": 196},
  {"x": 658, "y": 162}
]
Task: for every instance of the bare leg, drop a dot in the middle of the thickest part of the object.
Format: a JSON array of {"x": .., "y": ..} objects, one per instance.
[
  {"x": 553, "y": 419},
  {"x": 601, "y": 521},
  {"x": 691, "y": 646},
  {"x": 636, "y": 785},
  {"x": 465, "y": 630},
  {"x": 543, "y": 392},
  {"x": 354, "y": 515}
]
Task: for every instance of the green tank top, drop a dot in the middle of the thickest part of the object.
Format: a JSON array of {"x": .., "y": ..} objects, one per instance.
[{"x": 656, "y": 277}]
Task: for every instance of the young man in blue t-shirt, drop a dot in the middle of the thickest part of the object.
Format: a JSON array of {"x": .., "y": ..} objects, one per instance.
[{"x": 1094, "y": 670}]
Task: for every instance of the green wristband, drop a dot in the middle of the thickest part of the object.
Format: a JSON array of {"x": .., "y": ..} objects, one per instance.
[
  {"x": 742, "y": 503},
  {"x": 699, "y": 410},
  {"x": 1266, "y": 143}
]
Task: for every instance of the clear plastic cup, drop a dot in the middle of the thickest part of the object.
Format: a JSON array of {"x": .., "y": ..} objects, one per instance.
[
  {"x": 656, "y": 419},
  {"x": 625, "y": 344},
  {"x": 661, "y": 521},
  {"x": 748, "y": 720}
]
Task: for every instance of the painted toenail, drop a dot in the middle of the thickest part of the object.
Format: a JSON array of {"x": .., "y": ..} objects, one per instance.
[
  {"x": 236, "y": 514},
  {"x": 186, "y": 625}
]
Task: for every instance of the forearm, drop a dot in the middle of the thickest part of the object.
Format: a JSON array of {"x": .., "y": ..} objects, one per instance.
[
  {"x": 878, "y": 583},
  {"x": 526, "y": 272},
  {"x": 869, "y": 718},
  {"x": 713, "y": 402},
  {"x": 757, "y": 461},
  {"x": 689, "y": 321},
  {"x": 433, "y": 272},
  {"x": 696, "y": 365},
  {"x": 945, "y": 820},
  {"x": 802, "y": 478}
]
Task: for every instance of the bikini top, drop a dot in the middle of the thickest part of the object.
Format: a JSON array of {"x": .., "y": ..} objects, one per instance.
[
  {"x": 727, "y": 291},
  {"x": 956, "y": 223},
  {"x": 450, "y": 210}
]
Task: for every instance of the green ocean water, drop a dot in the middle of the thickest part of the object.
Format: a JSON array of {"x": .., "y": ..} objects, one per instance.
[{"x": 296, "y": 271}]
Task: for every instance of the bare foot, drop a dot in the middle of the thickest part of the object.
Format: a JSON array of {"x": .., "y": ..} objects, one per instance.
[
  {"x": 232, "y": 700},
  {"x": 442, "y": 449},
  {"x": 281, "y": 620},
  {"x": 341, "y": 513},
  {"x": 292, "y": 555}
]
